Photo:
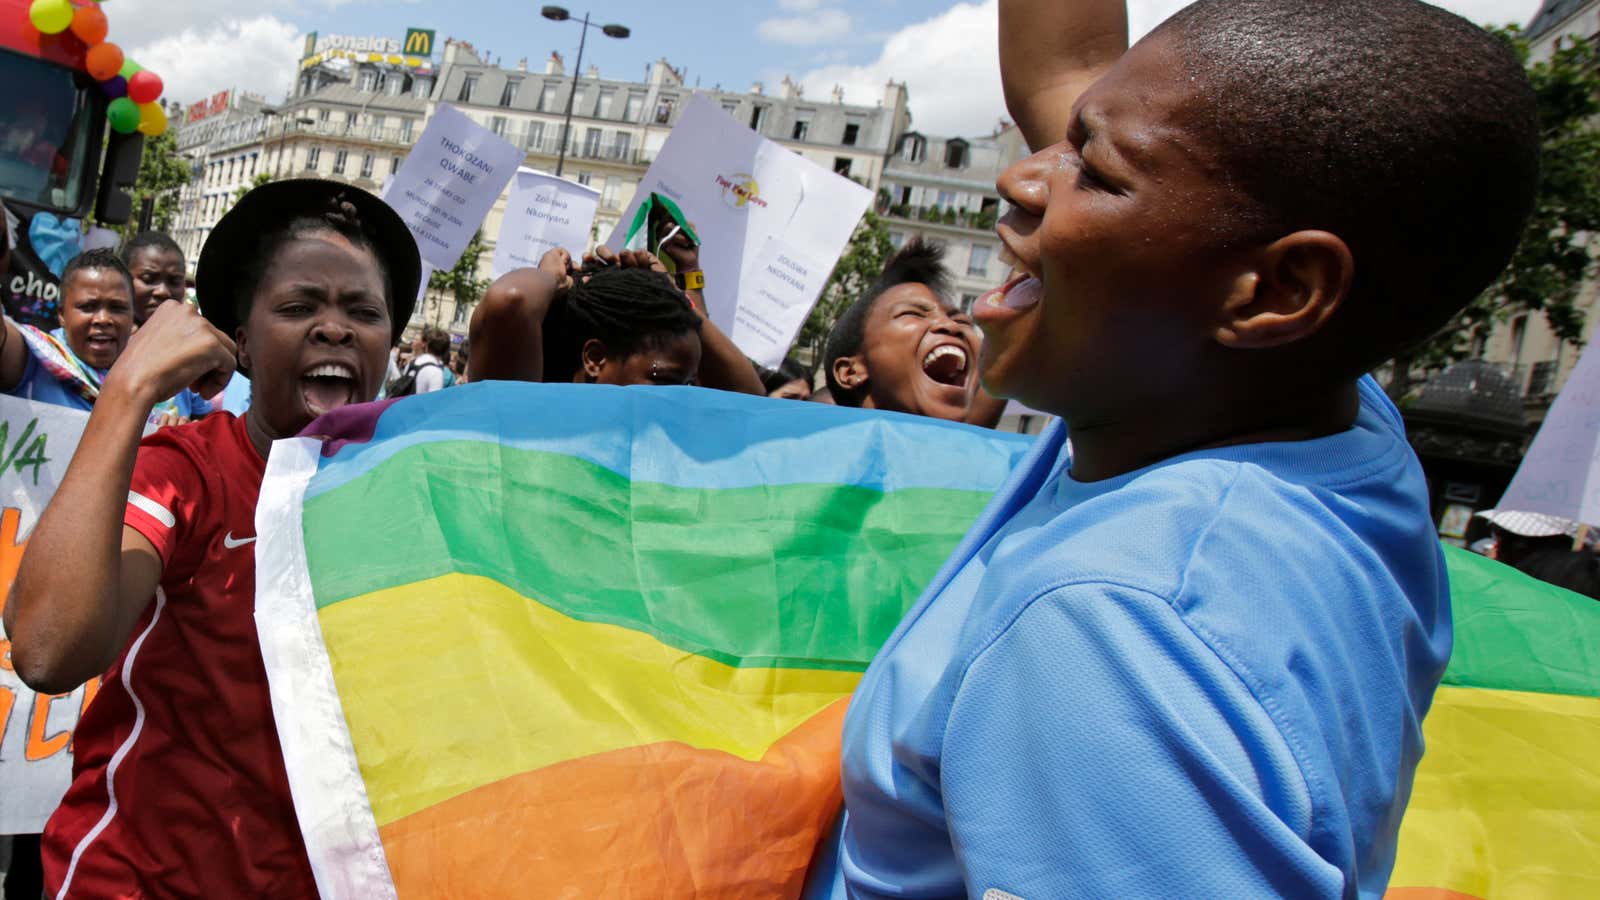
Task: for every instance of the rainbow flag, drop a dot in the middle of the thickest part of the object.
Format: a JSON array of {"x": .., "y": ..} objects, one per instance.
[
  {"x": 1506, "y": 801},
  {"x": 556, "y": 640}
]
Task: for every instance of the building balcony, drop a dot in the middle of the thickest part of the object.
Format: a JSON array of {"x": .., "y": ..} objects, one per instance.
[
  {"x": 976, "y": 220},
  {"x": 577, "y": 148}
]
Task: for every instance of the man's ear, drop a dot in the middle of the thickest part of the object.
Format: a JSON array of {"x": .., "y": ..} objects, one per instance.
[
  {"x": 1290, "y": 292},
  {"x": 850, "y": 372},
  {"x": 594, "y": 358},
  {"x": 242, "y": 347}
]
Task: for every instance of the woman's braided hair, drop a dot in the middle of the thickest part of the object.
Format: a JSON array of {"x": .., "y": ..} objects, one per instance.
[
  {"x": 340, "y": 217},
  {"x": 627, "y": 310}
]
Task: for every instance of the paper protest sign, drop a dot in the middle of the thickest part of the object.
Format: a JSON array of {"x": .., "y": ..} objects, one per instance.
[
  {"x": 542, "y": 212},
  {"x": 771, "y": 224},
  {"x": 36, "y": 443},
  {"x": 1560, "y": 475},
  {"x": 449, "y": 181}
]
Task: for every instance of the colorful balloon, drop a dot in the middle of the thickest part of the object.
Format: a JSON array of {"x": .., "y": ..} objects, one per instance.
[
  {"x": 89, "y": 24},
  {"x": 103, "y": 61},
  {"x": 115, "y": 86},
  {"x": 152, "y": 119},
  {"x": 123, "y": 115},
  {"x": 144, "y": 86},
  {"x": 129, "y": 67},
  {"x": 50, "y": 16}
]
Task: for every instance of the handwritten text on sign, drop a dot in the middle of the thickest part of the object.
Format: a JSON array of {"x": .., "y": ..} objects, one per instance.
[
  {"x": 36, "y": 443},
  {"x": 448, "y": 182},
  {"x": 543, "y": 212}
]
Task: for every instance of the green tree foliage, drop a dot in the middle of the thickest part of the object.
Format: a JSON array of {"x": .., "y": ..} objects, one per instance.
[
  {"x": 1555, "y": 256},
  {"x": 462, "y": 281},
  {"x": 161, "y": 173},
  {"x": 863, "y": 259}
]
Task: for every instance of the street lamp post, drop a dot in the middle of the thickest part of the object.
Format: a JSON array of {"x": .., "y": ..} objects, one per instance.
[{"x": 560, "y": 14}]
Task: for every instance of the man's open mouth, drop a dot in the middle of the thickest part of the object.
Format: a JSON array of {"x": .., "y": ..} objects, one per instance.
[
  {"x": 328, "y": 387},
  {"x": 946, "y": 364}
]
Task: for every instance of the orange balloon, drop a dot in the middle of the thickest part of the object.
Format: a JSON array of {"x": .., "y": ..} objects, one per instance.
[
  {"x": 103, "y": 61},
  {"x": 89, "y": 24}
]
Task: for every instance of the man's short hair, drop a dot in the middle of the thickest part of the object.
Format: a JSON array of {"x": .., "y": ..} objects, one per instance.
[
  {"x": 150, "y": 240},
  {"x": 98, "y": 258},
  {"x": 918, "y": 262},
  {"x": 1406, "y": 130},
  {"x": 437, "y": 341}
]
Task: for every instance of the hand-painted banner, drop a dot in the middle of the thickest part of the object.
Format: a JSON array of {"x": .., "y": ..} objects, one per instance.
[
  {"x": 1506, "y": 801},
  {"x": 36, "y": 443},
  {"x": 589, "y": 641}
]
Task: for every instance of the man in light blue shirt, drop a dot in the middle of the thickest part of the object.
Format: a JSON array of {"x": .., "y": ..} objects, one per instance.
[{"x": 1188, "y": 653}]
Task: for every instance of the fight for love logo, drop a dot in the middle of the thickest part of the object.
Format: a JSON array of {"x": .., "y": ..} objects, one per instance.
[{"x": 740, "y": 191}]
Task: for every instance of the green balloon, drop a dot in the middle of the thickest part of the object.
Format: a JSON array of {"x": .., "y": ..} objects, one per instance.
[
  {"x": 129, "y": 67},
  {"x": 123, "y": 115}
]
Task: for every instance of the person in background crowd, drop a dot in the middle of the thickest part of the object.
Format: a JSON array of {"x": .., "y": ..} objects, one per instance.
[
  {"x": 1517, "y": 534},
  {"x": 430, "y": 365},
  {"x": 618, "y": 320},
  {"x": 157, "y": 265},
  {"x": 1188, "y": 653},
  {"x": 1576, "y": 570},
  {"x": 788, "y": 381},
  {"x": 458, "y": 362},
  {"x": 903, "y": 346},
  {"x": 822, "y": 394},
  {"x": 314, "y": 280}
]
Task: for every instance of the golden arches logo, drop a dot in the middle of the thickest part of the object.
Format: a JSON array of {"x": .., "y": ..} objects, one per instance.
[{"x": 419, "y": 42}]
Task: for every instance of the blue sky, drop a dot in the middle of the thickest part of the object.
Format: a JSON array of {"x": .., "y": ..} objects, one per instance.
[{"x": 944, "y": 50}]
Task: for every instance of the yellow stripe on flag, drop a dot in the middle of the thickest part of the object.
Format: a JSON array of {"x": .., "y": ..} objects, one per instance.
[
  {"x": 458, "y": 681},
  {"x": 1507, "y": 798}
]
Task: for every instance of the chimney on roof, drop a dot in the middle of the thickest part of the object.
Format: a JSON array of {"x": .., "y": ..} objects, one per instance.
[
  {"x": 554, "y": 65},
  {"x": 522, "y": 64},
  {"x": 757, "y": 87},
  {"x": 792, "y": 91},
  {"x": 838, "y": 94}
]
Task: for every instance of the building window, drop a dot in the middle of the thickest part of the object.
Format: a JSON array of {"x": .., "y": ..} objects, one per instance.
[
  {"x": 424, "y": 87},
  {"x": 731, "y": 107},
  {"x": 966, "y": 302},
  {"x": 758, "y": 117},
  {"x": 535, "y": 135},
  {"x": 339, "y": 159},
  {"x": 897, "y": 239},
  {"x": 852, "y": 131},
  {"x": 253, "y": 165},
  {"x": 322, "y": 114},
  {"x": 395, "y": 86},
  {"x": 468, "y": 84},
  {"x": 313, "y": 157},
  {"x": 349, "y": 122},
  {"x": 1542, "y": 379},
  {"x": 664, "y": 110},
  {"x": 366, "y": 165},
  {"x": 978, "y": 262},
  {"x": 508, "y": 94},
  {"x": 608, "y": 98},
  {"x": 591, "y": 142},
  {"x": 621, "y": 145},
  {"x": 913, "y": 148},
  {"x": 800, "y": 129},
  {"x": 841, "y": 166},
  {"x": 634, "y": 111},
  {"x": 498, "y": 126},
  {"x": 955, "y": 154},
  {"x": 947, "y": 199},
  {"x": 608, "y": 194},
  {"x": 585, "y": 177},
  {"x": 394, "y": 164},
  {"x": 547, "y": 96}
]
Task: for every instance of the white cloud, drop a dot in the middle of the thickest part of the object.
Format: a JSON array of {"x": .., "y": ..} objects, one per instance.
[
  {"x": 258, "y": 54},
  {"x": 950, "y": 63},
  {"x": 817, "y": 28}
]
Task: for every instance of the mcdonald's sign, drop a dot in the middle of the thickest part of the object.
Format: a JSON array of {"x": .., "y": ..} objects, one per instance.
[{"x": 419, "y": 42}]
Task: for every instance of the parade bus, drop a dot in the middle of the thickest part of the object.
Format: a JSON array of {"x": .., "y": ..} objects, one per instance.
[{"x": 57, "y": 154}]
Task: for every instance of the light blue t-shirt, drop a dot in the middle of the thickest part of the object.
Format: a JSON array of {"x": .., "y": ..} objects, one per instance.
[
  {"x": 40, "y": 385},
  {"x": 1204, "y": 678}
]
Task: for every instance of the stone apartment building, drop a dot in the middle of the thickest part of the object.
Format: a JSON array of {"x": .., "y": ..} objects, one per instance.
[{"x": 1537, "y": 362}]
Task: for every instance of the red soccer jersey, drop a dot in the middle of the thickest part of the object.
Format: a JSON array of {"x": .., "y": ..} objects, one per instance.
[{"x": 178, "y": 783}]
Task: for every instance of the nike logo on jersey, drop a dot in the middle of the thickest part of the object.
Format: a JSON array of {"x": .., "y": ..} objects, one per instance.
[{"x": 231, "y": 544}]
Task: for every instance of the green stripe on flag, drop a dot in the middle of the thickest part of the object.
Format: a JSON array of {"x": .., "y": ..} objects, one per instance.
[
  {"x": 1517, "y": 633},
  {"x": 812, "y": 576}
]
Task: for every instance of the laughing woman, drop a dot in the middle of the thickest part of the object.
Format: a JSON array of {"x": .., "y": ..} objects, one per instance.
[
  {"x": 903, "y": 346},
  {"x": 143, "y": 568}
]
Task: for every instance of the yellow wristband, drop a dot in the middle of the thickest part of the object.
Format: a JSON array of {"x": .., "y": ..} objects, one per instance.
[{"x": 694, "y": 280}]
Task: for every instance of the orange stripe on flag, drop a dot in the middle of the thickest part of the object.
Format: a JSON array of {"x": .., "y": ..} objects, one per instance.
[
  {"x": 1426, "y": 893},
  {"x": 643, "y": 821}
]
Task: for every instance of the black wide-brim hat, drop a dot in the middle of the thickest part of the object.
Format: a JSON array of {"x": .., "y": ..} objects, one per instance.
[{"x": 226, "y": 256}]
